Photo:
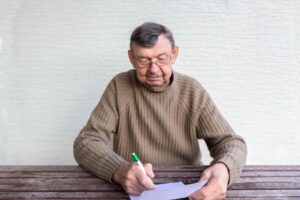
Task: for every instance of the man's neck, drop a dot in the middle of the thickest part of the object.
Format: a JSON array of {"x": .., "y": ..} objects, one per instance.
[{"x": 161, "y": 88}]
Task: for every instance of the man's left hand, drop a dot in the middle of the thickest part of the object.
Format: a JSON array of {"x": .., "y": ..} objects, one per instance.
[{"x": 216, "y": 187}]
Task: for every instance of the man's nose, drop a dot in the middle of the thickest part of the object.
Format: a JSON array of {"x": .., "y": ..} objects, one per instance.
[{"x": 153, "y": 67}]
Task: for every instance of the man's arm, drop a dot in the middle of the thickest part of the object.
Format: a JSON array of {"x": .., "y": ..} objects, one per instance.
[
  {"x": 90, "y": 147},
  {"x": 224, "y": 145},
  {"x": 228, "y": 150},
  {"x": 92, "y": 152}
]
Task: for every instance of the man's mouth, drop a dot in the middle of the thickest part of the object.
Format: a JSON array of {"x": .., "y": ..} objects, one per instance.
[{"x": 153, "y": 77}]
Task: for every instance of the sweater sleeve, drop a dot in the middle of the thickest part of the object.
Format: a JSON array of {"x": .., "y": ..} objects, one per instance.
[
  {"x": 224, "y": 145},
  {"x": 91, "y": 149}
]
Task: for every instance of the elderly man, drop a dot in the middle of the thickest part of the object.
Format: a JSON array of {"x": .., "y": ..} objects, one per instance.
[{"x": 159, "y": 114}]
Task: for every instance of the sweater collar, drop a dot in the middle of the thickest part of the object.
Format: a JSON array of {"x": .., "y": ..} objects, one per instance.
[{"x": 171, "y": 86}]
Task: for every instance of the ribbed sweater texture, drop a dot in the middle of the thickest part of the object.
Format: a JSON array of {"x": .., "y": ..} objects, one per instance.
[{"x": 163, "y": 128}]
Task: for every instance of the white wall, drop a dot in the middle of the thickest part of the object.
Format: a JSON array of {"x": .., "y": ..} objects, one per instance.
[{"x": 57, "y": 56}]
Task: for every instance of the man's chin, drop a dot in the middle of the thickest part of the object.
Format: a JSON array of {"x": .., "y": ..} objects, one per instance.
[{"x": 154, "y": 83}]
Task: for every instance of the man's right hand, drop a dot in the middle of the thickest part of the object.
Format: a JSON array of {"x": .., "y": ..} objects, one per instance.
[{"x": 132, "y": 179}]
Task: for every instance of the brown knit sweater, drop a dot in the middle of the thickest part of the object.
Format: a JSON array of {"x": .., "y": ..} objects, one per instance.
[{"x": 163, "y": 128}]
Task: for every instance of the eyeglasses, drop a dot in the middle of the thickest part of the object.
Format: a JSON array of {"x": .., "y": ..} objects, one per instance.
[{"x": 143, "y": 63}]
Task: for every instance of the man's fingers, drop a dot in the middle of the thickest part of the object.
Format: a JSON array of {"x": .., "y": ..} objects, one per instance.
[
  {"x": 216, "y": 187},
  {"x": 144, "y": 180},
  {"x": 212, "y": 189},
  {"x": 149, "y": 170},
  {"x": 147, "y": 183},
  {"x": 128, "y": 176},
  {"x": 135, "y": 189},
  {"x": 205, "y": 176},
  {"x": 203, "y": 193}
]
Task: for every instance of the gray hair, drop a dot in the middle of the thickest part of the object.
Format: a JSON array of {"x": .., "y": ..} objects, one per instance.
[{"x": 146, "y": 35}]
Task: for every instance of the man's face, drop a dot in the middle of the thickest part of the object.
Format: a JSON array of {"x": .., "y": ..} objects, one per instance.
[{"x": 154, "y": 65}]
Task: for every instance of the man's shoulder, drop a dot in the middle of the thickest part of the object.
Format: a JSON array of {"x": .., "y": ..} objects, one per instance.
[
  {"x": 123, "y": 80},
  {"x": 185, "y": 81},
  {"x": 191, "y": 94},
  {"x": 124, "y": 76},
  {"x": 122, "y": 86}
]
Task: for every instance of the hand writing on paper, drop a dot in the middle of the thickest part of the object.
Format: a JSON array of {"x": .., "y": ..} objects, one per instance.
[
  {"x": 132, "y": 179},
  {"x": 216, "y": 187}
]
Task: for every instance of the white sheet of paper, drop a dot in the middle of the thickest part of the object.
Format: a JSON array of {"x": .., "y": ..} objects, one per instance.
[{"x": 169, "y": 191}]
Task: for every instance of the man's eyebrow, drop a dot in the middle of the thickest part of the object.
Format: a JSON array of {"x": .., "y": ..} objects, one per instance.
[
  {"x": 143, "y": 57},
  {"x": 139, "y": 56},
  {"x": 162, "y": 54}
]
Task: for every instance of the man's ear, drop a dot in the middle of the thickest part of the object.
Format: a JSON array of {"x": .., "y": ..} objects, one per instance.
[
  {"x": 175, "y": 54},
  {"x": 131, "y": 57}
]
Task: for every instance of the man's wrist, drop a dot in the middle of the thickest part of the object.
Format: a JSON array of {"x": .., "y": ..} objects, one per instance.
[
  {"x": 227, "y": 170},
  {"x": 118, "y": 170}
]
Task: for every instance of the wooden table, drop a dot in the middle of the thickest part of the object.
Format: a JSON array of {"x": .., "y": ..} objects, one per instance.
[{"x": 71, "y": 182}]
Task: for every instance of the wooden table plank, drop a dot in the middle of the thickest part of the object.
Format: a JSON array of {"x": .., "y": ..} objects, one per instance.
[
  {"x": 50, "y": 181},
  {"x": 116, "y": 195},
  {"x": 26, "y": 174},
  {"x": 59, "y": 188},
  {"x": 42, "y": 168},
  {"x": 71, "y": 182},
  {"x": 263, "y": 193},
  {"x": 45, "y": 168},
  {"x": 22, "y": 174},
  {"x": 60, "y": 195},
  {"x": 64, "y": 186}
]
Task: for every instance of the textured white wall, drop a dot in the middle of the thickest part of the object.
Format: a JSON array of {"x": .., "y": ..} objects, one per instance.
[{"x": 57, "y": 56}]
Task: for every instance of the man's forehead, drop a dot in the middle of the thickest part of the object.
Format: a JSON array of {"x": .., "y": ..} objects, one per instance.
[
  {"x": 147, "y": 54},
  {"x": 162, "y": 46}
]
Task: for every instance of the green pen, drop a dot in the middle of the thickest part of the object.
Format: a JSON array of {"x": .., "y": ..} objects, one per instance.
[{"x": 138, "y": 162}]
